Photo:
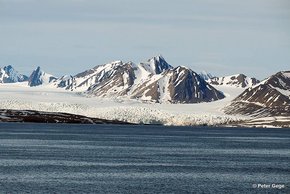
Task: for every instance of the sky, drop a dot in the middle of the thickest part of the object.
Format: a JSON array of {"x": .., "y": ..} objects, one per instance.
[{"x": 222, "y": 37}]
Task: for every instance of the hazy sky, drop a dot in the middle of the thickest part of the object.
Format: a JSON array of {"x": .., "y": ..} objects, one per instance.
[{"x": 220, "y": 36}]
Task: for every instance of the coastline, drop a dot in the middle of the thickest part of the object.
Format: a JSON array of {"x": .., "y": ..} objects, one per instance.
[{"x": 33, "y": 116}]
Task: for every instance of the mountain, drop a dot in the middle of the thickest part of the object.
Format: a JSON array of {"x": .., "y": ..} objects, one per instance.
[
  {"x": 269, "y": 98},
  {"x": 154, "y": 80},
  {"x": 65, "y": 81},
  {"x": 9, "y": 75},
  {"x": 98, "y": 75},
  {"x": 115, "y": 81},
  {"x": 39, "y": 77},
  {"x": 205, "y": 75},
  {"x": 178, "y": 85},
  {"x": 238, "y": 80},
  {"x": 156, "y": 65},
  {"x": 92, "y": 77}
]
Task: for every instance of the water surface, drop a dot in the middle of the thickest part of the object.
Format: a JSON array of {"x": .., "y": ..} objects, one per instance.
[{"x": 56, "y": 158}]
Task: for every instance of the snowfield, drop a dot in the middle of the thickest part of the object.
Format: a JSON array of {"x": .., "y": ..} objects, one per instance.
[{"x": 46, "y": 98}]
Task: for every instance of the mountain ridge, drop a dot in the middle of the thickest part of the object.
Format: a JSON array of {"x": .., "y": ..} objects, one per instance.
[
  {"x": 271, "y": 97},
  {"x": 237, "y": 80},
  {"x": 39, "y": 77},
  {"x": 154, "y": 80},
  {"x": 147, "y": 81},
  {"x": 9, "y": 75}
]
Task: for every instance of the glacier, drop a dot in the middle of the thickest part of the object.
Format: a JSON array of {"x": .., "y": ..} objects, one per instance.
[{"x": 51, "y": 99}]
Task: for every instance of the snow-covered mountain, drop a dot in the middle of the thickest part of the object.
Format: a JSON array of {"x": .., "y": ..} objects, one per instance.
[
  {"x": 269, "y": 98},
  {"x": 156, "y": 65},
  {"x": 39, "y": 77},
  {"x": 154, "y": 80},
  {"x": 267, "y": 103},
  {"x": 238, "y": 80},
  {"x": 178, "y": 85},
  {"x": 85, "y": 80},
  {"x": 9, "y": 75},
  {"x": 205, "y": 75},
  {"x": 115, "y": 81}
]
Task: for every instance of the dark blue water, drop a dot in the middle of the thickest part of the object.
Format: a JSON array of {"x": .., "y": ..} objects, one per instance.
[{"x": 50, "y": 158}]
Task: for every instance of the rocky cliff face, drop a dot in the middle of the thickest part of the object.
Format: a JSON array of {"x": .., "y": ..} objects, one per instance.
[
  {"x": 38, "y": 77},
  {"x": 178, "y": 85},
  {"x": 156, "y": 65},
  {"x": 187, "y": 86},
  {"x": 269, "y": 98},
  {"x": 239, "y": 80},
  {"x": 9, "y": 75},
  {"x": 114, "y": 82},
  {"x": 154, "y": 81}
]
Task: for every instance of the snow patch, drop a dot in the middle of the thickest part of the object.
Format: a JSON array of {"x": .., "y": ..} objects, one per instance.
[{"x": 59, "y": 100}]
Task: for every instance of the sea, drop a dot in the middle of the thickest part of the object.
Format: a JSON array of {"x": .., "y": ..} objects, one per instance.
[{"x": 72, "y": 158}]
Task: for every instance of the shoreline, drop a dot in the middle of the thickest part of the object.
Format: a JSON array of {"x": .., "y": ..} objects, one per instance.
[{"x": 33, "y": 116}]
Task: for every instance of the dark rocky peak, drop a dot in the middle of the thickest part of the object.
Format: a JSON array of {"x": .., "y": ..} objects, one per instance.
[
  {"x": 8, "y": 69},
  {"x": 269, "y": 98},
  {"x": 265, "y": 95},
  {"x": 239, "y": 77},
  {"x": 181, "y": 72},
  {"x": 39, "y": 77},
  {"x": 65, "y": 81},
  {"x": 186, "y": 86},
  {"x": 10, "y": 75},
  {"x": 156, "y": 65},
  {"x": 85, "y": 73},
  {"x": 116, "y": 80},
  {"x": 238, "y": 80},
  {"x": 280, "y": 80},
  {"x": 98, "y": 68},
  {"x": 244, "y": 81}
]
